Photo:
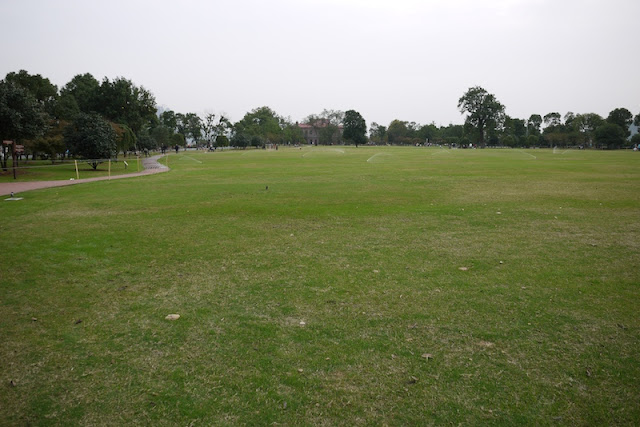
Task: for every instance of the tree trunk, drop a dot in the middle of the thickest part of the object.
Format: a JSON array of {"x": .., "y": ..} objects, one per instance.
[{"x": 4, "y": 157}]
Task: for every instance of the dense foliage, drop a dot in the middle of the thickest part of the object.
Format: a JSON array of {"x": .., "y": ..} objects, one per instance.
[
  {"x": 91, "y": 137},
  {"x": 34, "y": 113},
  {"x": 260, "y": 127},
  {"x": 485, "y": 112},
  {"x": 355, "y": 127},
  {"x": 22, "y": 116}
]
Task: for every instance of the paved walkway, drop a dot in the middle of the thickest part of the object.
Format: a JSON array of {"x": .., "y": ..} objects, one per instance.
[{"x": 150, "y": 165}]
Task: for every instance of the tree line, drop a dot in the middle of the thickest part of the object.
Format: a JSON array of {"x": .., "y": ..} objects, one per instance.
[
  {"x": 95, "y": 120},
  {"x": 487, "y": 124},
  {"x": 486, "y": 121},
  {"x": 87, "y": 118}
]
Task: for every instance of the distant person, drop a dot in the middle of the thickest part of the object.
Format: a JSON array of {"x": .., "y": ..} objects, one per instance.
[{"x": 177, "y": 148}]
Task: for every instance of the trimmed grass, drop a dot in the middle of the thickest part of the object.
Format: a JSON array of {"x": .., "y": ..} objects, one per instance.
[
  {"x": 335, "y": 296},
  {"x": 43, "y": 170}
]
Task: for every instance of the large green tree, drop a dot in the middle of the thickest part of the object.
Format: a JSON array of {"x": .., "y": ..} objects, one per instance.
[
  {"x": 261, "y": 125},
  {"x": 224, "y": 127},
  {"x": 81, "y": 94},
  {"x": 121, "y": 101},
  {"x": 427, "y": 133},
  {"x": 213, "y": 127},
  {"x": 46, "y": 94},
  {"x": 452, "y": 131},
  {"x": 554, "y": 133},
  {"x": 175, "y": 124},
  {"x": 90, "y": 136},
  {"x": 533, "y": 124},
  {"x": 240, "y": 140},
  {"x": 169, "y": 119},
  {"x": 193, "y": 127},
  {"x": 22, "y": 116},
  {"x": 50, "y": 144},
  {"x": 355, "y": 127},
  {"x": 553, "y": 119},
  {"x": 610, "y": 135},
  {"x": 182, "y": 127},
  {"x": 514, "y": 132},
  {"x": 222, "y": 141},
  {"x": 397, "y": 132},
  {"x": 569, "y": 117},
  {"x": 161, "y": 134},
  {"x": 291, "y": 132},
  {"x": 378, "y": 133},
  {"x": 145, "y": 141},
  {"x": 586, "y": 124},
  {"x": 40, "y": 87},
  {"x": 125, "y": 138},
  {"x": 209, "y": 128},
  {"x": 178, "y": 139},
  {"x": 623, "y": 118},
  {"x": 484, "y": 112}
]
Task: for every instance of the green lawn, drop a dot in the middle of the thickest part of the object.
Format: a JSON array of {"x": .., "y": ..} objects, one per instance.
[
  {"x": 44, "y": 170},
  {"x": 397, "y": 286}
]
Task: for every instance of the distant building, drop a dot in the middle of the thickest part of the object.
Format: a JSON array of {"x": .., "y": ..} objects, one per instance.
[
  {"x": 309, "y": 132},
  {"x": 314, "y": 135}
]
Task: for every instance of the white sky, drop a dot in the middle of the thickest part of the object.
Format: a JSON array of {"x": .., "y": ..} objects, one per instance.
[{"x": 405, "y": 59}]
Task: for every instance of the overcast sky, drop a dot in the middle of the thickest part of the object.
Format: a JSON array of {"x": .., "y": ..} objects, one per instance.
[{"x": 388, "y": 59}]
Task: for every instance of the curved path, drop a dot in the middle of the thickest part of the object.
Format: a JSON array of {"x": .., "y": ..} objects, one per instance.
[{"x": 150, "y": 164}]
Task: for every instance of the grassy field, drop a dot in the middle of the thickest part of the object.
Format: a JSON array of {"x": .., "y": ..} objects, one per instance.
[
  {"x": 44, "y": 170},
  {"x": 374, "y": 286}
]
